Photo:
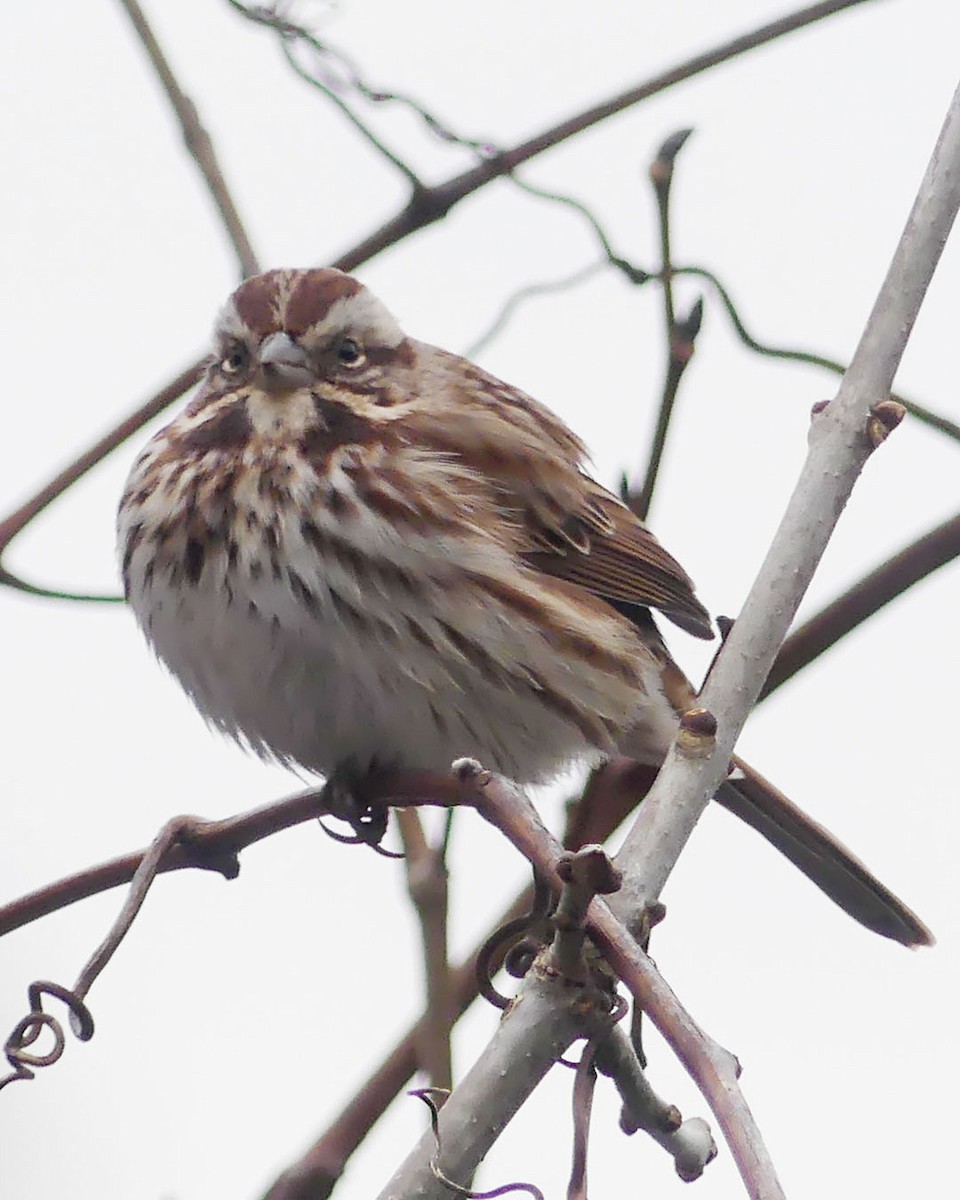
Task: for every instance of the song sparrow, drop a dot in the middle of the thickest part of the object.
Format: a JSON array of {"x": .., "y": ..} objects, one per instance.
[{"x": 353, "y": 547}]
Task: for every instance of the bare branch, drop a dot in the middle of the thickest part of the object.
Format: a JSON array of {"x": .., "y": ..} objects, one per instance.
[
  {"x": 434, "y": 203},
  {"x": 689, "y": 1142},
  {"x": 714, "y": 1069},
  {"x": 198, "y": 141},
  {"x": 426, "y": 206},
  {"x": 839, "y": 448},
  {"x": 18, "y": 520},
  {"x": 680, "y": 335},
  {"x": 544, "y": 1022},
  {"x": 890, "y": 580},
  {"x": 427, "y": 884},
  {"x": 927, "y": 416}
]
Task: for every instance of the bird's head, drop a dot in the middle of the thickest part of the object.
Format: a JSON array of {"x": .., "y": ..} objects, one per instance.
[{"x": 285, "y": 331}]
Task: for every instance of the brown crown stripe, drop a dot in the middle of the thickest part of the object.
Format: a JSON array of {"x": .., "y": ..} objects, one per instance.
[
  {"x": 257, "y": 302},
  {"x": 313, "y": 295}
]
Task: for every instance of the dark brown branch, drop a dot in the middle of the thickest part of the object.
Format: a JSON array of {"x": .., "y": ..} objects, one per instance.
[
  {"x": 314, "y": 1175},
  {"x": 680, "y": 335},
  {"x": 890, "y": 580},
  {"x": 197, "y": 140},
  {"x": 611, "y": 793},
  {"x": 434, "y": 203},
  {"x": 18, "y": 520},
  {"x": 426, "y": 206},
  {"x": 214, "y": 845},
  {"x": 427, "y": 884},
  {"x": 935, "y": 420}
]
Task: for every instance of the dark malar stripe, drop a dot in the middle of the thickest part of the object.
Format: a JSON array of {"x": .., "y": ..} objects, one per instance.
[{"x": 228, "y": 429}]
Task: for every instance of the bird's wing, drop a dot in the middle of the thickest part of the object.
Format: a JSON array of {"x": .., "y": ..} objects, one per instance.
[
  {"x": 599, "y": 544},
  {"x": 561, "y": 521}
]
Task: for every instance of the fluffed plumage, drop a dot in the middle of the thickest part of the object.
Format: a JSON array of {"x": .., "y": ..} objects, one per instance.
[{"x": 355, "y": 547}]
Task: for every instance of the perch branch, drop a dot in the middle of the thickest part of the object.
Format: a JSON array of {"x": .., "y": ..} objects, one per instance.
[{"x": 839, "y": 448}]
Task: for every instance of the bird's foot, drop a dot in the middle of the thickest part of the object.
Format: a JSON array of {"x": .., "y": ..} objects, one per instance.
[{"x": 347, "y": 795}]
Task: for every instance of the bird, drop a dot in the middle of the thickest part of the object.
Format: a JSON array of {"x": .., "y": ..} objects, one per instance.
[{"x": 352, "y": 547}]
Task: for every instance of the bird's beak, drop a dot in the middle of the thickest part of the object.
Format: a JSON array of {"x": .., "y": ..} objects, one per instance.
[{"x": 282, "y": 365}]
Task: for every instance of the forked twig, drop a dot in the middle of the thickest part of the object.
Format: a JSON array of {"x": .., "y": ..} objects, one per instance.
[{"x": 680, "y": 334}]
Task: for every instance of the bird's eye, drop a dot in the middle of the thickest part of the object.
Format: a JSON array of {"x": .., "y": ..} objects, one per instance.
[
  {"x": 235, "y": 360},
  {"x": 350, "y": 353}
]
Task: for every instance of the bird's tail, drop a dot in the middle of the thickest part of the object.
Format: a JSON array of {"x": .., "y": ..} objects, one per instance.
[{"x": 819, "y": 855}]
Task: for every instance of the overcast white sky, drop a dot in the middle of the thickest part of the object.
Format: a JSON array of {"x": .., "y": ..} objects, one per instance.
[{"x": 236, "y": 1018}]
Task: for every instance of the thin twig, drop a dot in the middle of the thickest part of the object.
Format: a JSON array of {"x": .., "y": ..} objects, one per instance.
[
  {"x": 545, "y": 287},
  {"x": 359, "y": 125},
  {"x": 839, "y": 449},
  {"x": 426, "y": 867},
  {"x": 198, "y": 141},
  {"x": 680, "y": 335},
  {"x": 434, "y": 203},
  {"x": 425, "y": 207},
  {"x": 342, "y": 74},
  {"x": 18, "y": 520},
  {"x": 927, "y": 416}
]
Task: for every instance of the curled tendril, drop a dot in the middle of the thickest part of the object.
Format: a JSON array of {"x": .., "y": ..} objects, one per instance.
[
  {"x": 513, "y": 931},
  {"x": 427, "y": 1095},
  {"x": 28, "y": 1031}
]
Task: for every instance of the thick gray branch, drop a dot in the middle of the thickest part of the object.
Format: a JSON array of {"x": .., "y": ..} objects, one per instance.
[
  {"x": 541, "y": 1024},
  {"x": 838, "y": 450},
  {"x": 537, "y": 1029}
]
